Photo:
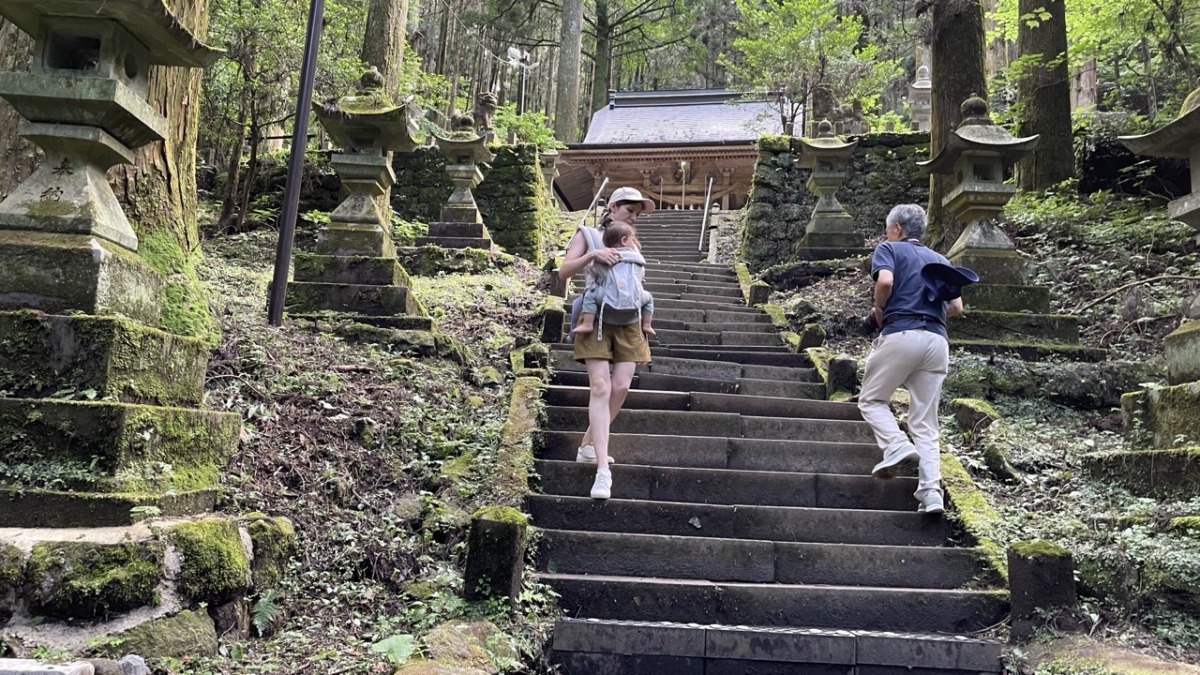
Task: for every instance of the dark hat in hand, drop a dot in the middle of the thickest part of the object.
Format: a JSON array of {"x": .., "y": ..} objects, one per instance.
[{"x": 944, "y": 282}]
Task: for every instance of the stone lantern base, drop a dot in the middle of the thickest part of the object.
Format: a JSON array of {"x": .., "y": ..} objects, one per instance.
[{"x": 460, "y": 224}]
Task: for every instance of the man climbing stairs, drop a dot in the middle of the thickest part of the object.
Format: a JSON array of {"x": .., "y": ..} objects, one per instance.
[{"x": 744, "y": 534}]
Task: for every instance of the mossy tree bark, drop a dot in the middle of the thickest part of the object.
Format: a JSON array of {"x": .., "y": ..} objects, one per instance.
[
  {"x": 957, "y": 65},
  {"x": 603, "y": 58},
  {"x": 383, "y": 40},
  {"x": 18, "y": 157},
  {"x": 158, "y": 190},
  {"x": 566, "y": 103},
  {"x": 1044, "y": 96}
]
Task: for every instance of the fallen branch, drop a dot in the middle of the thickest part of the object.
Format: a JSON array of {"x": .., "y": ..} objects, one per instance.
[
  {"x": 351, "y": 368},
  {"x": 1167, "y": 277}
]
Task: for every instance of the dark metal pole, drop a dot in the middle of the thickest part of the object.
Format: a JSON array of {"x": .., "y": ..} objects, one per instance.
[{"x": 291, "y": 195}]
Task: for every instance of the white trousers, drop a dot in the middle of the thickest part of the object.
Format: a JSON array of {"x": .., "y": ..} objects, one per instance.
[{"x": 917, "y": 360}]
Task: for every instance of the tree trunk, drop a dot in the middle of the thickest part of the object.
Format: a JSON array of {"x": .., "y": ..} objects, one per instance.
[
  {"x": 383, "y": 40},
  {"x": 159, "y": 190},
  {"x": 18, "y": 157},
  {"x": 230, "y": 201},
  {"x": 1044, "y": 95},
  {"x": 566, "y": 104},
  {"x": 603, "y": 72},
  {"x": 957, "y": 73}
]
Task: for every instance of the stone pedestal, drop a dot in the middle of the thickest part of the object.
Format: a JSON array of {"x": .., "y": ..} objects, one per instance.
[
  {"x": 1041, "y": 579},
  {"x": 830, "y": 230},
  {"x": 460, "y": 225}
]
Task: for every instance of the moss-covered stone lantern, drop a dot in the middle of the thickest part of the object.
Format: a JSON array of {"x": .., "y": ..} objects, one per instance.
[
  {"x": 920, "y": 100},
  {"x": 64, "y": 238},
  {"x": 978, "y": 154},
  {"x": 460, "y": 224},
  {"x": 1004, "y": 313},
  {"x": 355, "y": 270},
  {"x": 1180, "y": 139},
  {"x": 829, "y": 226}
]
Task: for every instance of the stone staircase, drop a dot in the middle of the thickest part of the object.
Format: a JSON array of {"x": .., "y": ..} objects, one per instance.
[
  {"x": 673, "y": 236},
  {"x": 744, "y": 534}
]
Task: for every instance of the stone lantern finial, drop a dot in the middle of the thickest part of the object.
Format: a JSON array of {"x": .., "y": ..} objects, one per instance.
[
  {"x": 974, "y": 107},
  {"x": 371, "y": 79}
]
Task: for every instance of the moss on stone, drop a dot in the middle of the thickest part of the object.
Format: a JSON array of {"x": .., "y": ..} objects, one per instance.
[
  {"x": 188, "y": 634},
  {"x": 185, "y": 309},
  {"x": 503, "y": 514},
  {"x": 974, "y": 514},
  {"x": 82, "y": 580},
  {"x": 12, "y": 572},
  {"x": 514, "y": 461},
  {"x": 215, "y": 566},
  {"x": 1038, "y": 548},
  {"x": 1185, "y": 524},
  {"x": 274, "y": 542}
]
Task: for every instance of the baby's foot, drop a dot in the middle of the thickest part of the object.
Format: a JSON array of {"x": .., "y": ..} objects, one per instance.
[{"x": 583, "y": 328}]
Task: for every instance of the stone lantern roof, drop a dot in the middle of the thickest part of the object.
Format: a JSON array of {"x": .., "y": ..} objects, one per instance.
[
  {"x": 369, "y": 121},
  {"x": 169, "y": 42},
  {"x": 977, "y": 132},
  {"x": 826, "y": 146},
  {"x": 1176, "y": 138}
]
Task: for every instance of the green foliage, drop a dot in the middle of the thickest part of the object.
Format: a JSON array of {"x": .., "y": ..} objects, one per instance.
[
  {"x": 530, "y": 127},
  {"x": 797, "y": 47},
  {"x": 265, "y": 611},
  {"x": 397, "y": 649}
]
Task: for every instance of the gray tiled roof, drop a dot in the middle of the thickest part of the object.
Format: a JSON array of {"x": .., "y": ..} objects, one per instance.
[{"x": 702, "y": 117}]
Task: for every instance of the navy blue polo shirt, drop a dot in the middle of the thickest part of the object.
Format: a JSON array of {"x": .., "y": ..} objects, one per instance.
[{"x": 909, "y": 307}]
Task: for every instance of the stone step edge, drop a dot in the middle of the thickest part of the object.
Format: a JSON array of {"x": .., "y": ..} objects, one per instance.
[
  {"x": 869, "y": 647},
  {"x": 700, "y": 583}
]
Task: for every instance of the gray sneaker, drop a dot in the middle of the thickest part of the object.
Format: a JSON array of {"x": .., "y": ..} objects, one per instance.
[
  {"x": 932, "y": 503},
  {"x": 587, "y": 455},
  {"x": 894, "y": 460}
]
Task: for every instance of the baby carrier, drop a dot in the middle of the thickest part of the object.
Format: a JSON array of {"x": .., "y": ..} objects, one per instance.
[{"x": 621, "y": 287}]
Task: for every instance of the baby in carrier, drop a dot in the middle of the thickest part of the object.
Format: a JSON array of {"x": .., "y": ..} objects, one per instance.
[{"x": 618, "y": 286}]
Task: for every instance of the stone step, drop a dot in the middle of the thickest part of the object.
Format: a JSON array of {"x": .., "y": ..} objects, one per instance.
[
  {"x": 676, "y": 275},
  {"x": 848, "y": 607},
  {"x": 592, "y": 646},
  {"x": 1016, "y": 327},
  {"x": 714, "y": 452},
  {"x": 646, "y": 380},
  {"x": 25, "y": 507},
  {"x": 669, "y": 557},
  {"x": 731, "y": 327},
  {"x": 336, "y": 269},
  {"x": 723, "y": 307},
  {"x": 442, "y": 230},
  {"x": 653, "y": 249},
  {"x": 732, "y": 486},
  {"x": 44, "y": 354},
  {"x": 455, "y": 242},
  {"x": 1030, "y": 351},
  {"x": 708, "y": 402},
  {"x": 307, "y": 296},
  {"x": 676, "y": 258},
  {"x": 665, "y": 350},
  {"x": 711, "y": 365},
  {"x": 814, "y": 253},
  {"x": 772, "y": 523},
  {"x": 701, "y": 316},
  {"x": 688, "y": 423},
  {"x": 718, "y": 289},
  {"x": 698, "y": 268},
  {"x": 107, "y": 446},
  {"x": 675, "y": 338}
]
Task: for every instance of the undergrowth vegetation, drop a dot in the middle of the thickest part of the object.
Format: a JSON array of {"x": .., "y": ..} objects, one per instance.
[{"x": 378, "y": 459}]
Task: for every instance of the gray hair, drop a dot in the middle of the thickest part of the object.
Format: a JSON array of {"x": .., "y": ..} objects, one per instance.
[{"x": 910, "y": 218}]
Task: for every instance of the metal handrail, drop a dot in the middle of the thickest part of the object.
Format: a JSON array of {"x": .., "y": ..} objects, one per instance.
[
  {"x": 592, "y": 205},
  {"x": 704, "y": 221}
]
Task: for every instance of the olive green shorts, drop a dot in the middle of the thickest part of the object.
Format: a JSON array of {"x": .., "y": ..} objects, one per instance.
[{"x": 618, "y": 344}]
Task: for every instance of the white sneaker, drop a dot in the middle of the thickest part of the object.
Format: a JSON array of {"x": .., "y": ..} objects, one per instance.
[
  {"x": 932, "y": 503},
  {"x": 587, "y": 455},
  {"x": 602, "y": 488},
  {"x": 894, "y": 460}
]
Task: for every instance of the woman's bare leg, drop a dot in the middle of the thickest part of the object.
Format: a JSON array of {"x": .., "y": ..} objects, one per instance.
[{"x": 622, "y": 377}]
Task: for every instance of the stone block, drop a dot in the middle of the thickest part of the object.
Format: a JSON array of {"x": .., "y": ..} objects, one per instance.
[
  {"x": 1162, "y": 417},
  {"x": 1007, "y": 298},
  {"x": 58, "y": 274},
  {"x": 457, "y": 230},
  {"x": 843, "y": 375},
  {"x": 216, "y": 565},
  {"x": 311, "y": 296},
  {"x": 1041, "y": 579},
  {"x": 111, "y": 356},
  {"x": 495, "y": 554},
  {"x": 109, "y": 446},
  {"x": 274, "y": 543},
  {"x": 12, "y": 578},
  {"x": 187, "y": 634},
  {"x": 1016, "y": 327},
  {"x": 812, "y": 336},
  {"x": 84, "y": 580},
  {"x": 25, "y": 507},
  {"x": 758, "y": 294},
  {"x": 554, "y": 318},
  {"x": 1182, "y": 350},
  {"x": 973, "y": 414},
  {"x": 360, "y": 270},
  {"x": 31, "y": 667},
  {"x": 1161, "y": 474},
  {"x": 349, "y": 239},
  {"x": 994, "y": 267}
]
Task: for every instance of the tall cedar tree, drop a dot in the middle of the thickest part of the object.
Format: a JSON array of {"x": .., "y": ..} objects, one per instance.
[
  {"x": 383, "y": 40},
  {"x": 566, "y": 104},
  {"x": 1044, "y": 94},
  {"x": 957, "y": 65}
]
